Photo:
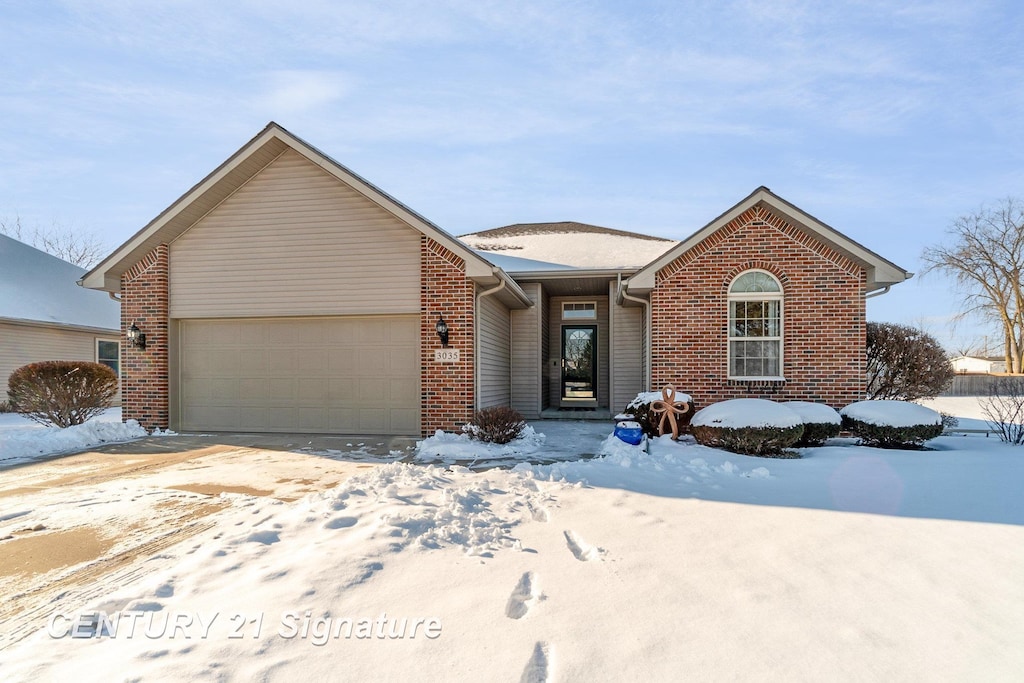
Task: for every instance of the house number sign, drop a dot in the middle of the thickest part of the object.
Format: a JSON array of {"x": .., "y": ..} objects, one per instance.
[{"x": 446, "y": 356}]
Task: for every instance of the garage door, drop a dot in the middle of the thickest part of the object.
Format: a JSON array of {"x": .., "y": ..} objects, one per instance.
[{"x": 352, "y": 375}]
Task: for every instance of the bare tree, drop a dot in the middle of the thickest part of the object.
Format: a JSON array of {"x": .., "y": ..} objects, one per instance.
[
  {"x": 1004, "y": 408},
  {"x": 80, "y": 247},
  {"x": 905, "y": 363},
  {"x": 986, "y": 258}
]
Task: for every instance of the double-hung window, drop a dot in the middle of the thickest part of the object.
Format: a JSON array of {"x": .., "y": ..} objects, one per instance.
[{"x": 755, "y": 326}]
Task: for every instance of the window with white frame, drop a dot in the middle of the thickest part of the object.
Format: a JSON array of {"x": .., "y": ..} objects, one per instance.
[
  {"x": 755, "y": 326},
  {"x": 579, "y": 310},
  {"x": 109, "y": 353}
]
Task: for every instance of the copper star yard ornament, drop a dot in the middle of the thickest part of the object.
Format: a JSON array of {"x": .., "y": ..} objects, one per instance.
[{"x": 669, "y": 409}]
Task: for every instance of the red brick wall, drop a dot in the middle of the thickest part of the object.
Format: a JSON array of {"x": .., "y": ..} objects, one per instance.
[
  {"x": 823, "y": 315},
  {"x": 447, "y": 389},
  {"x": 144, "y": 371}
]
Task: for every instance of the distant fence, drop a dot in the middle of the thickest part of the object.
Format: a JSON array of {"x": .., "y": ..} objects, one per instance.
[{"x": 971, "y": 385}]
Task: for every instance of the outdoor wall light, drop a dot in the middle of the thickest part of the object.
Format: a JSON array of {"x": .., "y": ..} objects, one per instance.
[
  {"x": 442, "y": 330},
  {"x": 136, "y": 338}
]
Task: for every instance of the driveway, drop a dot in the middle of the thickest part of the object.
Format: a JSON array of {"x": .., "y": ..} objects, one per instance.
[{"x": 67, "y": 521}]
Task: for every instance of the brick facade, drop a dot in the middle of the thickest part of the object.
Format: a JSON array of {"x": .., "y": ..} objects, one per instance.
[
  {"x": 823, "y": 315},
  {"x": 446, "y": 389},
  {"x": 144, "y": 371}
]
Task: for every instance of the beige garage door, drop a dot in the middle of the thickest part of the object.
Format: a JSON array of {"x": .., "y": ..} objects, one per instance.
[{"x": 353, "y": 375}]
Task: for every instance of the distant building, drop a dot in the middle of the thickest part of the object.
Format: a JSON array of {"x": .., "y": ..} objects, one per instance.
[
  {"x": 976, "y": 365},
  {"x": 45, "y": 315}
]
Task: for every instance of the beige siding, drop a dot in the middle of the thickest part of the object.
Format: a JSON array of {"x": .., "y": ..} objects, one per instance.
[
  {"x": 555, "y": 346},
  {"x": 24, "y": 344},
  {"x": 527, "y": 357},
  {"x": 627, "y": 354},
  {"x": 295, "y": 241},
  {"x": 353, "y": 375},
  {"x": 494, "y": 353}
]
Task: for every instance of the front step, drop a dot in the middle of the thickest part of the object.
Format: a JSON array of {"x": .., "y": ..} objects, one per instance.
[{"x": 595, "y": 414}]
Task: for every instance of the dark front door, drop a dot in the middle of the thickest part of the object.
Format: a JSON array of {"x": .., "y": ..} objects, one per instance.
[{"x": 579, "y": 363}]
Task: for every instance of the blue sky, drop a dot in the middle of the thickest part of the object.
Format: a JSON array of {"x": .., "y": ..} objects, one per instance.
[{"x": 884, "y": 119}]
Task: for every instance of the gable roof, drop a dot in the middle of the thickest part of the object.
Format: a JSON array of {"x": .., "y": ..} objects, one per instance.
[
  {"x": 239, "y": 168},
  {"x": 881, "y": 273},
  {"x": 41, "y": 288}
]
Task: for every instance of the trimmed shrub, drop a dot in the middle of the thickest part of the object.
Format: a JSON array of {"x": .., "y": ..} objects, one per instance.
[
  {"x": 821, "y": 422},
  {"x": 61, "y": 393},
  {"x": 499, "y": 424},
  {"x": 640, "y": 409},
  {"x": 750, "y": 426},
  {"x": 5, "y": 407},
  {"x": 891, "y": 424}
]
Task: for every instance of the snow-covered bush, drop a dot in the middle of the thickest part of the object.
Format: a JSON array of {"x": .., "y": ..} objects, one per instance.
[
  {"x": 820, "y": 422},
  {"x": 891, "y": 424},
  {"x": 640, "y": 409},
  {"x": 61, "y": 393},
  {"x": 499, "y": 424},
  {"x": 752, "y": 426},
  {"x": 1004, "y": 408}
]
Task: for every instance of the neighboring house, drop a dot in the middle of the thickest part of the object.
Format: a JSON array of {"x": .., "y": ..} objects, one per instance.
[
  {"x": 45, "y": 315},
  {"x": 285, "y": 293},
  {"x": 974, "y": 365}
]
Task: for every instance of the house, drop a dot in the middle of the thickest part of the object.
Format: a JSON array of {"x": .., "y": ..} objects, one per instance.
[
  {"x": 45, "y": 315},
  {"x": 286, "y": 293},
  {"x": 975, "y": 365}
]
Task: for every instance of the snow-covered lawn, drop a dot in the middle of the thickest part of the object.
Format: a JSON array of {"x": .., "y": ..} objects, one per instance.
[
  {"x": 685, "y": 563},
  {"x": 22, "y": 440}
]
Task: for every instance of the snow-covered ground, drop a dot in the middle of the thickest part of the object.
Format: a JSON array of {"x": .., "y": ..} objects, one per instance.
[
  {"x": 687, "y": 562},
  {"x": 22, "y": 440}
]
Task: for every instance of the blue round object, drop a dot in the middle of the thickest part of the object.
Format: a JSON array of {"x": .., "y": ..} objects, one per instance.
[{"x": 630, "y": 432}]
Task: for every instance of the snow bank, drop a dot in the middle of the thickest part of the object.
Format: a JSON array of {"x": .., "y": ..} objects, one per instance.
[
  {"x": 891, "y": 413},
  {"x": 447, "y": 447},
  {"x": 817, "y": 413},
  {"x": 746, "y": 412},
  {"x": 31, "y": 442}
]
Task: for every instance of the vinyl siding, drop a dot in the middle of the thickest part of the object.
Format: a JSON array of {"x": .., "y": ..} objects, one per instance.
[
  {"x": 24, "y": 344},
  {"x": 293, "y": 241},
  {"x": 526, "y": 355},
  {"x": 627, "y": 351},
  {"x": 494, "y": 353}
]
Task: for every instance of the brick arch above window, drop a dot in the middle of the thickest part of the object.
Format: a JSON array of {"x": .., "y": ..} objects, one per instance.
[{"x": 767, "y": 267}]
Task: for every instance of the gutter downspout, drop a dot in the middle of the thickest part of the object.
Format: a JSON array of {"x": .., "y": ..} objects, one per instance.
[
  {"x": 622, "y": 294},
  {"x": 476, "y": 341}
]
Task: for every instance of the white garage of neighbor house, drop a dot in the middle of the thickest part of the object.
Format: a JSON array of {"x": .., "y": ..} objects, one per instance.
[{"x": 45, "y": 315}]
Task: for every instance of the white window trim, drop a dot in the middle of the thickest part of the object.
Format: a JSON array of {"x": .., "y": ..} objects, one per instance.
[
  {"x": 779, "y": 296},
  {"x": 96, "y": 351},
  {"x": 579, "y": 319}
]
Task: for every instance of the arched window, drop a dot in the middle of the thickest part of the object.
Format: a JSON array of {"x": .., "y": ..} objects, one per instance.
[{"x": 755, "y": 326}]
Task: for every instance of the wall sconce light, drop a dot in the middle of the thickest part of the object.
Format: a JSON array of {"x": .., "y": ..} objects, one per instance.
[
  {"x": 442, "y": 330},
  {"x": 136, "y": 338}
]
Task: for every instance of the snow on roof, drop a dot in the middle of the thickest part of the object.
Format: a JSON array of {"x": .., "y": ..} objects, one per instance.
[
  {"x": 39, "y": 287},
  {"x": 569, "y": 243},
  {"x": 514, "y": 264}
]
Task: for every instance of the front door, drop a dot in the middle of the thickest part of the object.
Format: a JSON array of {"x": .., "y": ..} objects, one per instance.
[{"x": 579, "y": 365}]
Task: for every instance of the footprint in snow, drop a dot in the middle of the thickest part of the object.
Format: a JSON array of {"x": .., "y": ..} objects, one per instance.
[
  {"x": 538, "y": 669},
  {"x": 523, "y": 598},
  {"x": 580, "y": 549}
]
